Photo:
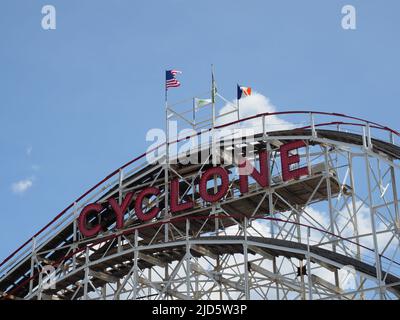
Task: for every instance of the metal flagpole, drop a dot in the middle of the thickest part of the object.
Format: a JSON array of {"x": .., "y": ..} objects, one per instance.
[
  {"x": 237, "y": 99},
  {"x": 213, "y": 114},
  {"x": 166, "y": 178},
  {"x": 213, "y": 96},
  {"x": 213, "y": 149},
  {"x": 194, "y": 113}
]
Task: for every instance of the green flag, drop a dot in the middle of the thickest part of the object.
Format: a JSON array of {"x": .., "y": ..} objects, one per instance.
[{"x": 200, "y": 103}]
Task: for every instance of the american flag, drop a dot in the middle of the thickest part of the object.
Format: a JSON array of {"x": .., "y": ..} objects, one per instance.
[{"x": 170, "y": 80}]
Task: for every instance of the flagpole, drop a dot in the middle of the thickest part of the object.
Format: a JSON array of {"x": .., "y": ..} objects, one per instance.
[
  {"x": 213, "y": 148},
  {"x": 213, "y": 95},
  {"x": 194, "y": 113},
  {"x": 213, "y": 113},
  {"x": 166, "y": 176},
  {"x": 238, "y": 103}
]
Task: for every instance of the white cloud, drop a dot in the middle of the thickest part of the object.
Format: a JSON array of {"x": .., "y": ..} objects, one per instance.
[
  {"x": 22, "y": 186},
  {"x": 250, "y": 106},
  {"x": 29, "y": 151}
]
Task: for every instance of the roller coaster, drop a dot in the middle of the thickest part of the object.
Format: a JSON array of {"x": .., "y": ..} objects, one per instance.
[{"x": 332, "y": 233}]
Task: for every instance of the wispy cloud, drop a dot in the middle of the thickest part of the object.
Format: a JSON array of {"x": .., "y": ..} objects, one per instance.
[
  {"x": 29, "y": 151},
  {"x": 22, "y": 186}
]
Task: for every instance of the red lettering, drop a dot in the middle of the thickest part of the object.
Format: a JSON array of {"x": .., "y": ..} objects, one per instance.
[
  {"x": 139, "y": 203},
  {"x": 261, "y": 176},
  {"x": 82, "y": 220},
  {"x": 120, "y": 210},
  {"x": 245, "y": 168},
  {"x": 287, "y": 160},
  {"x": 175, "y": 206},
  {"x": 207, "y": 175}
]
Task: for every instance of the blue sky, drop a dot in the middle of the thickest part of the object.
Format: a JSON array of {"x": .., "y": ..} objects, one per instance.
[{"x": 76, "y": 102}]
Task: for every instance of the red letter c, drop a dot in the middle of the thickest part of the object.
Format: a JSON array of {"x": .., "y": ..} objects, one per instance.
[
  {"x": 139, "y": 201},
  {"x": 82, "y": 220}
]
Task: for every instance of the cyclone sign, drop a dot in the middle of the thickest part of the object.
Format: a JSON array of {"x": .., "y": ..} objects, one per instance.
[{"x": 261, "y": 176}]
